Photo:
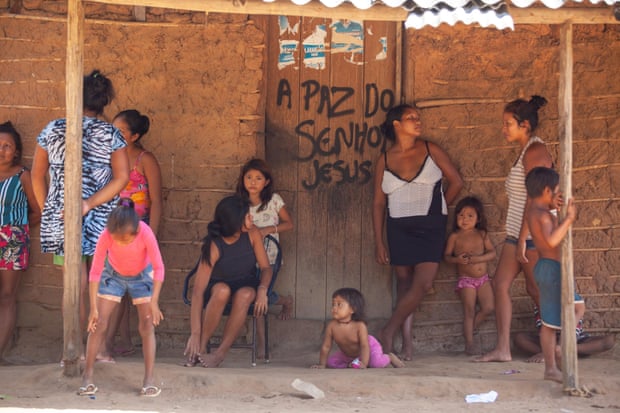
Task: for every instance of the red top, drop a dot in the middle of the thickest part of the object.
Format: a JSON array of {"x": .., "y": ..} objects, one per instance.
[{"x": 128, "y": 260}]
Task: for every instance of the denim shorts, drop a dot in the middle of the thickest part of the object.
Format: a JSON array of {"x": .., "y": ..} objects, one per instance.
[
  {"x": 529, "y": 244},
  {"x": 113, "y": 285}
]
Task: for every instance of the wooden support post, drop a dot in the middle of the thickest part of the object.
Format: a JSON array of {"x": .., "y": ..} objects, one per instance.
[
  {"x": 139, "y": 13},
  {"x": 569, "y": 341},
  {"x": 74, "y": 76},
  {"x": 400, "y": 53}
]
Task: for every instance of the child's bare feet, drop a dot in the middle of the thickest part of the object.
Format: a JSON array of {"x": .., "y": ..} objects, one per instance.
[
  {"x": 211, "y": 360},
  {"x": 396, "y": 361},
  {"x": 474, "y": 347},
  {"x": 536, "y": 358},
  {"x": 191, "y": 362},
  {"x": 470, "y": 350},
  {"x": 287, "y": 307},
  {"x": 553, "y": 374},
  {"x": 494, "y": 355},
  {"x": 105, "y": 358}
]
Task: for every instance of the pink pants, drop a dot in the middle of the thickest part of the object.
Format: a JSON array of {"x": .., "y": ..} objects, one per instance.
[{"x": 339, "y": 360}]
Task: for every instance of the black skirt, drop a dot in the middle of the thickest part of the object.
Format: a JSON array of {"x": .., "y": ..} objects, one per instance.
[{"x": 413, "y": 240}]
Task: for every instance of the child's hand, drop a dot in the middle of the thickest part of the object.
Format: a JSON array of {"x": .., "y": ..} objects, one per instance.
[
  {"x": 157, "y": 314},
  {"x": 93, "y": 317},
  {"x": 464, "y": 258},
  {"x": 317, "y": 366},
  {"x": 558, "y": 200}
]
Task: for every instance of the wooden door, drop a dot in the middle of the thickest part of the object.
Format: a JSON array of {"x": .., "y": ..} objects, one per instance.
[{"x": 329, "y": 85}]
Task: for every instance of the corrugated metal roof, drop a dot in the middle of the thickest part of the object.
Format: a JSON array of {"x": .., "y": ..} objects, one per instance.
[{"x": 422, "y": 13}]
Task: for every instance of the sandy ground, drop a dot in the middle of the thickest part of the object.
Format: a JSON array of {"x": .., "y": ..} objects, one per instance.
[{"x": 430, "y": 383}]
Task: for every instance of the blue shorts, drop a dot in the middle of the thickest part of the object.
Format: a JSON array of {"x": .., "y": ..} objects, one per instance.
[
  {"x": 113, "y": 285},
  {"x": 529, "y": 244},
  {"x": 548, "y": 276}
]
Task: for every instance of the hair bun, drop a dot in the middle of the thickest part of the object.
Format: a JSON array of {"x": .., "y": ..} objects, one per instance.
[
  {"x": 126, "y": 203},
  {"x": 537, "y": 101}
]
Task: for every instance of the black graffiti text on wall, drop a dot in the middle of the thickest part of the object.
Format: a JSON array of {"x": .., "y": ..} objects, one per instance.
[{"x": 318, "y": 143}]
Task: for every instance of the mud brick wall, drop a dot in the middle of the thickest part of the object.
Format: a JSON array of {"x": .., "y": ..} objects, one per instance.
[
  {"x": 463, "y": 77},
  {"x": 201, "y": 81}
]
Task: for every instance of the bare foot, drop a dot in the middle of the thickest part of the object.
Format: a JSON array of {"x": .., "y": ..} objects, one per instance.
[
  {"x": 494, "y": 355},
  {"x": 395, "y": 361},
  {"x": 554, "y": 375},
  {"x": 470, "y": 350},
  {"x": 287, "y": 308},
  {"x": 124, "y": 350},
  {"x": 211, "y": 360},
  {"x": 536, "y": 358},
  {"x": 191, "y": 362},
  {"x": 386, "y": 342},
  {"x": 407, "y": 350},
  {"x": 104, "y": 358}
]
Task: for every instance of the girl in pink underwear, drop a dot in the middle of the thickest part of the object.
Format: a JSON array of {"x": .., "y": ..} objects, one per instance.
[
  {"x": 356, "y": 348},
  {"x": 470, "y": 248}
]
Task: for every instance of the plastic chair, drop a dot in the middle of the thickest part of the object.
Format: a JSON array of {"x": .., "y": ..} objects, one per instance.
[{"x": 250, "y": 345}]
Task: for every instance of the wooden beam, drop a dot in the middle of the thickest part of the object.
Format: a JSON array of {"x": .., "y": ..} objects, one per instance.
[
  {"x": 575, "y": 15},
  {"x": 565, "y": 108},
  {"x": 282, "y": 7},
  {"x": 72, "y": 334},
  {"x": 531, "y": 15}
]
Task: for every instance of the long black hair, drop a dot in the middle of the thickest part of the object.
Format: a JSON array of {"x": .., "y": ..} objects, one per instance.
[
  {"x": 228, "y": 219},
  {"x": 262, "y": 167}
]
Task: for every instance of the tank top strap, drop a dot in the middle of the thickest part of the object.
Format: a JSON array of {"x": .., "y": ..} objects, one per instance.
[
  {"x": 428, "y": 151},
  {"x": 533, "y": 139},
  {"x": 135, "y": 166},
  {"x": 21, "y": 171}
]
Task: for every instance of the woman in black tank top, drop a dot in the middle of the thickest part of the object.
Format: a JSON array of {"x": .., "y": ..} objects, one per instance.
[{"x": 227, "y": 271}]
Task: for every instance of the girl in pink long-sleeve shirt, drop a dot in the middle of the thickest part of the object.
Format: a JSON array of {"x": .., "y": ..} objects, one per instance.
[{"x": 127, "y": 259}]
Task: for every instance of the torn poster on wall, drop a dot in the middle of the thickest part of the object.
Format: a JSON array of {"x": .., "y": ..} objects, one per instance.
[
  {"x": 285, "y": 26},
  {"x": 288, "y": 47},
  {"x": 348, "y": 37},
  {"x": 382, "y": 55},
  {"x": 287, "y": 53},
  {"x": 314, "y": 48}
]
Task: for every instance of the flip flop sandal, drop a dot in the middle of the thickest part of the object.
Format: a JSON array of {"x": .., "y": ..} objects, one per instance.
[
  {"x": 87, "y": 390},
  {"x": 150, "y": 391}
]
